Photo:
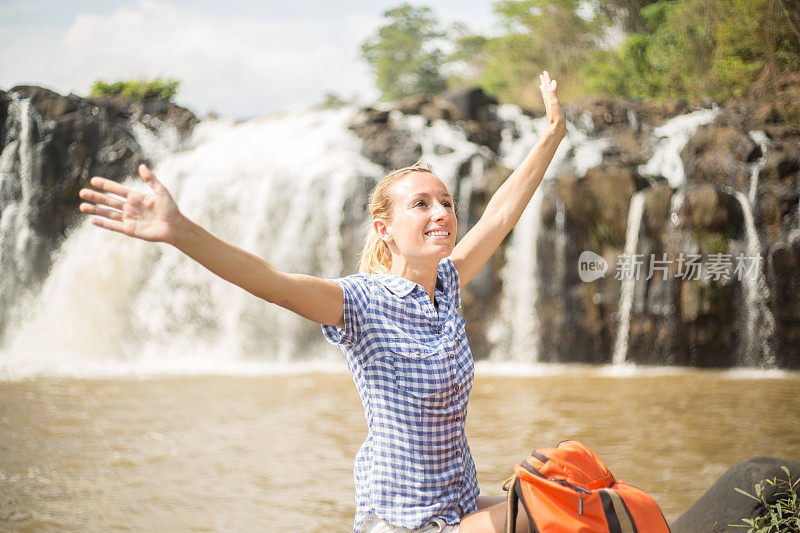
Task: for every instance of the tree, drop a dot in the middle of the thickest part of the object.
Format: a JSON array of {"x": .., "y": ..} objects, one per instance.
[
  {"x": 404, "y": 55},
  {"x": 538, "y": 35}
]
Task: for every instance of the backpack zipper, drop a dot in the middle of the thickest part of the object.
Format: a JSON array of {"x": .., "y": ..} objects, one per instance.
[{"x": 577, "y": 488}]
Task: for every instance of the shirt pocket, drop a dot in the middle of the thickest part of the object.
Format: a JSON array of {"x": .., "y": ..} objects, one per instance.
[{"x": 418, "y": 369}]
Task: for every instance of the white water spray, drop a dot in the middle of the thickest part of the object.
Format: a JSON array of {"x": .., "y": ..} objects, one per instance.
[
  {"x": 635, "y": 213},
  {"x": 759, "y": 322}
]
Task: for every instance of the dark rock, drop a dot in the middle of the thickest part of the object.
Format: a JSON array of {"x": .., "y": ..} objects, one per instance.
[
  {"x": 411, "y": 105},
  {"x": 783, "y": 264},
  {"x": 720, "y": 155},
  {"x": 711, "y": 210},
  {"x": 782, "y": 163},
  {"x": 599, "y": 201},
  {"x": 384, "y": 145},
  {"x": 721, "y": 506},
  {"x": 656, "y": 212},
  {"x": 468, "y": 103}
]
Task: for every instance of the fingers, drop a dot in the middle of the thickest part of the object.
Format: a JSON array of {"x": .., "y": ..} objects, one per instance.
[
  {"x": 109, "y": 225},
  {"x": 546, "y": 83},
  {"x": 149, "y": 178},
  {"x": 110, "y": 186},
  {"x": 99, "y": 198},
  {"x": 100, "y": 211}
]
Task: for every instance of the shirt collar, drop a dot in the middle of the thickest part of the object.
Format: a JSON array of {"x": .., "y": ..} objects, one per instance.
[{"x": 401, "y": 287}]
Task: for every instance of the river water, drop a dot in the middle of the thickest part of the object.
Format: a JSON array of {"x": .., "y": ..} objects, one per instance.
[{"x": 275, "y": 452}]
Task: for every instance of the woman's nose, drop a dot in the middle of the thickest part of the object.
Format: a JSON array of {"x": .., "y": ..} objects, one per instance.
[{"x": 440, "y": 211}]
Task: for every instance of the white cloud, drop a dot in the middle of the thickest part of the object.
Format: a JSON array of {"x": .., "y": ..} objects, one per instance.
[{"x": 233, "y": 65}]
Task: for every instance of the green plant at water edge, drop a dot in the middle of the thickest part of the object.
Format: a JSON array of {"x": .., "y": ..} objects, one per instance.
[
  {"x": 162, "y": 88},
  {"x": 783, "y": 514},
  {"x": 601, "y": 233}
]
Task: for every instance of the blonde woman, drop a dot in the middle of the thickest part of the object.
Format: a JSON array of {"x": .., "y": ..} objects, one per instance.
[{"x": 395, "y": 322}]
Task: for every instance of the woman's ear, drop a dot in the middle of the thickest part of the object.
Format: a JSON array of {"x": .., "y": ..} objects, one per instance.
[{"x": 383, "y": 230}]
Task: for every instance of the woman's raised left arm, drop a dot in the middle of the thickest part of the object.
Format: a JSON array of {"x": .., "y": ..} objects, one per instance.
[{"x": 507, "y": 204}]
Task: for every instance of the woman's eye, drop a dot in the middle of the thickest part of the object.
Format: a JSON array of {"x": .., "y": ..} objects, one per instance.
[
  {"x": 420, "y": 203},
  {"x": 447, "y": 204}
]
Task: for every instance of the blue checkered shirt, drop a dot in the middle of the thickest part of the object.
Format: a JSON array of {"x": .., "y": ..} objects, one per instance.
[{"x": 413, "y": 369}]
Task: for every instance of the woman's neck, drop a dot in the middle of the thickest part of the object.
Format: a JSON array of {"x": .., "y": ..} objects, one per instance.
[{"x": 424, "y": 275}]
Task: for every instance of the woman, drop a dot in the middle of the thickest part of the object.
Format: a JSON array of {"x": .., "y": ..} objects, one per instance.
[{"x": 395, "y": 322}]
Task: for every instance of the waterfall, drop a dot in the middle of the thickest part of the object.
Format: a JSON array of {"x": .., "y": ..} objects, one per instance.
[
  {"x": 760, "y": 324},
  {"x": 515, "y": 331},
  {"x": 673, "y": 136},
  {"x": 283, "y": 187},
  {"x": 760, "y": 138},
  {"x": 635, "y": 212},
  {"x": 23, "y": 251}
]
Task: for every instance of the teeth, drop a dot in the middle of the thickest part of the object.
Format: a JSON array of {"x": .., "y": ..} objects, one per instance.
[{"x": 439, "y": 233}]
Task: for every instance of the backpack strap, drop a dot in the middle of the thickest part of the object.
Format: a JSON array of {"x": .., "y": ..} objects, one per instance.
[
  {"x": 617, "y": 514},
  {"x": 512, "y": 485},
  {"x": 511, "y": 504}
]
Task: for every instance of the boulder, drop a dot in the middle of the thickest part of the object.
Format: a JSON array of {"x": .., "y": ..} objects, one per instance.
[
  {"x": 468, "y": 103},
  {"x": 383, "y": 144},
  {"x": 712, "y": 210},
  {"x": 722, "y": 506},
  {"x": 720, "y": 155}
]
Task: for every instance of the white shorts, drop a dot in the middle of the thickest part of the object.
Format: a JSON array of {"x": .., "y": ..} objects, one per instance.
[{"x": 373, "y": 524}]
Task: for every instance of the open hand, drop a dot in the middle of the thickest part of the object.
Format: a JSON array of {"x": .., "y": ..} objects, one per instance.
[
  {"x": 150, "y": 217},
  {"x": 555, "y": 115}
]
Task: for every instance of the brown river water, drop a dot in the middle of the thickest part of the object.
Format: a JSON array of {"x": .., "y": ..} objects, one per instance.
[{"x": 275, "y": 453}]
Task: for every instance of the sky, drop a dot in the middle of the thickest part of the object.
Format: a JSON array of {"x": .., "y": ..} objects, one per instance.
[{"x": 235, "y": 58}]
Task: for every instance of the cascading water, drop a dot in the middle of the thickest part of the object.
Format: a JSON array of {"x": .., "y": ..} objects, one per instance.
[
  {"x": 758, "y": 319},
  {"x": 289, "y": 188},
  {"x": 673, "y": 136},
  {"x": 280, "y": 187},
  {"x": 23, "y": 252},
  {"x": 635, "y": 213},
  {"x": 761, "y": 139},
  {"x": 515, "y": 331}
]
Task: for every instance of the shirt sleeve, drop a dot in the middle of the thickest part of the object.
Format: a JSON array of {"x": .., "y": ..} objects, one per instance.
[
  {"x": 355, "y": 291},
  {"x": 450, "y": 281}
]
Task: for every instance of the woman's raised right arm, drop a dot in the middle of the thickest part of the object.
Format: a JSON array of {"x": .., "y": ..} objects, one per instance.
[{"x": 155, "y": 217}]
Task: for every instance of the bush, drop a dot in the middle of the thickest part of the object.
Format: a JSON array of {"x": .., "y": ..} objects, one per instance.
[
  {"x": 165, "y": 89},
  {"x": 783, "y": 514}
]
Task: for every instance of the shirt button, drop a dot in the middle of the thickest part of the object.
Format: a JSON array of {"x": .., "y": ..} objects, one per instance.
[
  {"x": 458, "y": 453},
  {"x": 455, "y": 387},
  {"x": 452, "y": 356},
  {"x": 458, "y": 418},
  {"x": 417, "y": 352},
  {"x": 459, "y": 484},
  {"x": 439, "y": 331}
]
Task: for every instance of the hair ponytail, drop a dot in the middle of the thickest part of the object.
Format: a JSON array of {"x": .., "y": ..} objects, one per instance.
[{"x": 376, "y": 258}]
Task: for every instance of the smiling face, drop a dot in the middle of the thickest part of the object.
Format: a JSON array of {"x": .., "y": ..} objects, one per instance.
[{"x": 422, "y": 226}]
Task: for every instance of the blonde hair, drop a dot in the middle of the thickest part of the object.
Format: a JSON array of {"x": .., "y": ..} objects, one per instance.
[{"x": 376, "y": 258}]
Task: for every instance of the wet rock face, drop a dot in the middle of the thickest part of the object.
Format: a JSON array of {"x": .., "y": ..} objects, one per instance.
[
  {"x": 720, "y": 155},
  {"x": 51, "y": 145}
]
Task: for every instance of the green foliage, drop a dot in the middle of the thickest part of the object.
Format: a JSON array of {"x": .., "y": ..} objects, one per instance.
[
  {"x": 601, "y": 233},
  {"x": 537, "y": 35},
  {"x": 165, "y": 89},
  {"x": 783, "y": 515},
  {"x": 714, "y": 242},
  {"x": 332, "y": 100},
  {"x": 696, "y": 50},
  {"x": 404, "y": 55},
  {"x": 693, "y": 50}
]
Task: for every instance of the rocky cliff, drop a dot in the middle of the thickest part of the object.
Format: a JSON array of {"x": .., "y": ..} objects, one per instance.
[{"x": 51, "y": 145}]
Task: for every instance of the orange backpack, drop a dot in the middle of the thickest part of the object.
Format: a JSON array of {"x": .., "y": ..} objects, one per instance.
[{"x": 568, "y": 489}]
